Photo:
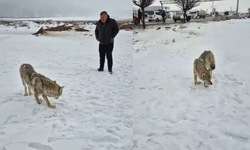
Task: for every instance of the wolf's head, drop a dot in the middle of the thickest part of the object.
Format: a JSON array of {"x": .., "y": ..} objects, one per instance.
[
  {"x": 206, "y": 77},
  {"x": 57, "y": 90}
]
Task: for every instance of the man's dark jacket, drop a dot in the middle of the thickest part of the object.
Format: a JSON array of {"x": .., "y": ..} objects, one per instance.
[{"x": 106, "y": 32}]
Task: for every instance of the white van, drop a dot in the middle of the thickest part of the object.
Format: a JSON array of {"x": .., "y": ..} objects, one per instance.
[
  {"x": 154, "y": 16},
  {"x": 197, "y": 14}
]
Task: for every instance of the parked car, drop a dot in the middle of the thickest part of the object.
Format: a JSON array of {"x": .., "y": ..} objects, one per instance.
[
  {"x": 198, "y": 14},
  {"x": 228, "y": 15},
  {"x": 154, "y": 16},
  {"x": 146, "y": 15},
  {"x": 180, "y": 16},
  {"x": 136, "y": 20}
]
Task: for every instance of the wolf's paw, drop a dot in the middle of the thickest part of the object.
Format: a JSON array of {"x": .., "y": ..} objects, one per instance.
[
  {"x": 25, "y": 94},
  {"x": 39, "y": 101},
  {"x": 205, "y": 85},
  {"x": 198, "y": 83},
  {"x": 52, "y": 106}
]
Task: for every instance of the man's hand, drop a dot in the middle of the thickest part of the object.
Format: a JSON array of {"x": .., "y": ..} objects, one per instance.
[
  {"x": 97, "y": 33},
  {"x": 115, "y": 29}
]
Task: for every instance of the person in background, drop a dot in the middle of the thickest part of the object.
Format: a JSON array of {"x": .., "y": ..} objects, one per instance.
[
  {"x": 105, "y": 32},
  {"x": 163, "y": 15},
  {"x": 139, "y": 16}
]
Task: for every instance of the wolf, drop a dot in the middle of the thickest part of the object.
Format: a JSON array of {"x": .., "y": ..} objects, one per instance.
[
  {"x": 39, "y": 84},
  {"x": 209, "y": 60},
  {"x": 201, "y": 72}
]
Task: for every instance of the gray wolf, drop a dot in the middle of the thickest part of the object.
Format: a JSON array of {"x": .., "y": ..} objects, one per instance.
[
  {"x": 39, "y": 84},
  {"x": 105, "y": 32},
  {"x": 200, "y": 71},
  {"x": 209, "y": 59}
]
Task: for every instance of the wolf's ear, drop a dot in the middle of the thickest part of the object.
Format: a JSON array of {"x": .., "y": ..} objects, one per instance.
[
  {"x": 203, "y": 75},
  {"x": 55, "y": 81}
]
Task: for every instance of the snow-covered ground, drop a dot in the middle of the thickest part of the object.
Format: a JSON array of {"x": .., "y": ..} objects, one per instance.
[
  {"x": 168, "y": 113},
  {"x": 96, "y": 109}
]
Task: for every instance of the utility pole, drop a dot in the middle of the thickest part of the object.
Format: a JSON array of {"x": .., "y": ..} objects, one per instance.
[
  {"x": 161, "y": 5},
  {"x": 213, "y": 9},
  {"x": 237, "y": 8}
]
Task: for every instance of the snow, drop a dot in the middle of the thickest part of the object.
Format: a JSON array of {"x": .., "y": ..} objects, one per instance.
[
  {"x": 169, "y": 114},
  {"x": 96, "y": 109}
]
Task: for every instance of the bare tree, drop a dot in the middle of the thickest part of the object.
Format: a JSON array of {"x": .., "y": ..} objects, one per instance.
[
  {"x": 187, "y": 5},
  {"x": 143, "y": 4}
]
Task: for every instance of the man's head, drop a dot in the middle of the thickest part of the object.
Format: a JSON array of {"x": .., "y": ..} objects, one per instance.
[{"x": 103, "y": 16}]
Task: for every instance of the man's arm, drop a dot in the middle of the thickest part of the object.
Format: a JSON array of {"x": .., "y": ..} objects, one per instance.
[
  {"x": 97, "y": 32},
  {"x": 115, "y": 30}
]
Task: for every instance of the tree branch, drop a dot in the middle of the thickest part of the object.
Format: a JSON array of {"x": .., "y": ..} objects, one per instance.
[{"x": 186, "y": 5}]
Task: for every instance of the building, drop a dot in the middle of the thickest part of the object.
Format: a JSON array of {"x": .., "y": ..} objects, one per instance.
[{"x": 152, "y": 8}]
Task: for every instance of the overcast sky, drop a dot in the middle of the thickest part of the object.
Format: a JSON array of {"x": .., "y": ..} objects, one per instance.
[
  {"x": 220, "y": 6},
  {"x": 65, "y": 8}
]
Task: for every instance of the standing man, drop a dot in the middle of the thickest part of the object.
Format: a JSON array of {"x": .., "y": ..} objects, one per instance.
[
  {"x": 163, "y": 15},
  {"x": 105, "y": 32},
  {"x": 139, "y": 16}
]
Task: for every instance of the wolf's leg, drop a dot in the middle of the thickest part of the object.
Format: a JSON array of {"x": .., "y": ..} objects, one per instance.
[
  {"x": 25, "y": 87},
  {"x": 195, "y": 76},
  {"x": 30, "y": 93},
  {"x": 205, "y": 85},
  {"x": 211, "y": 73},
  {"x": 195, "y": 80},
  {"x": 48, "y": 103},
  {"x": 36, "y": 97}
]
